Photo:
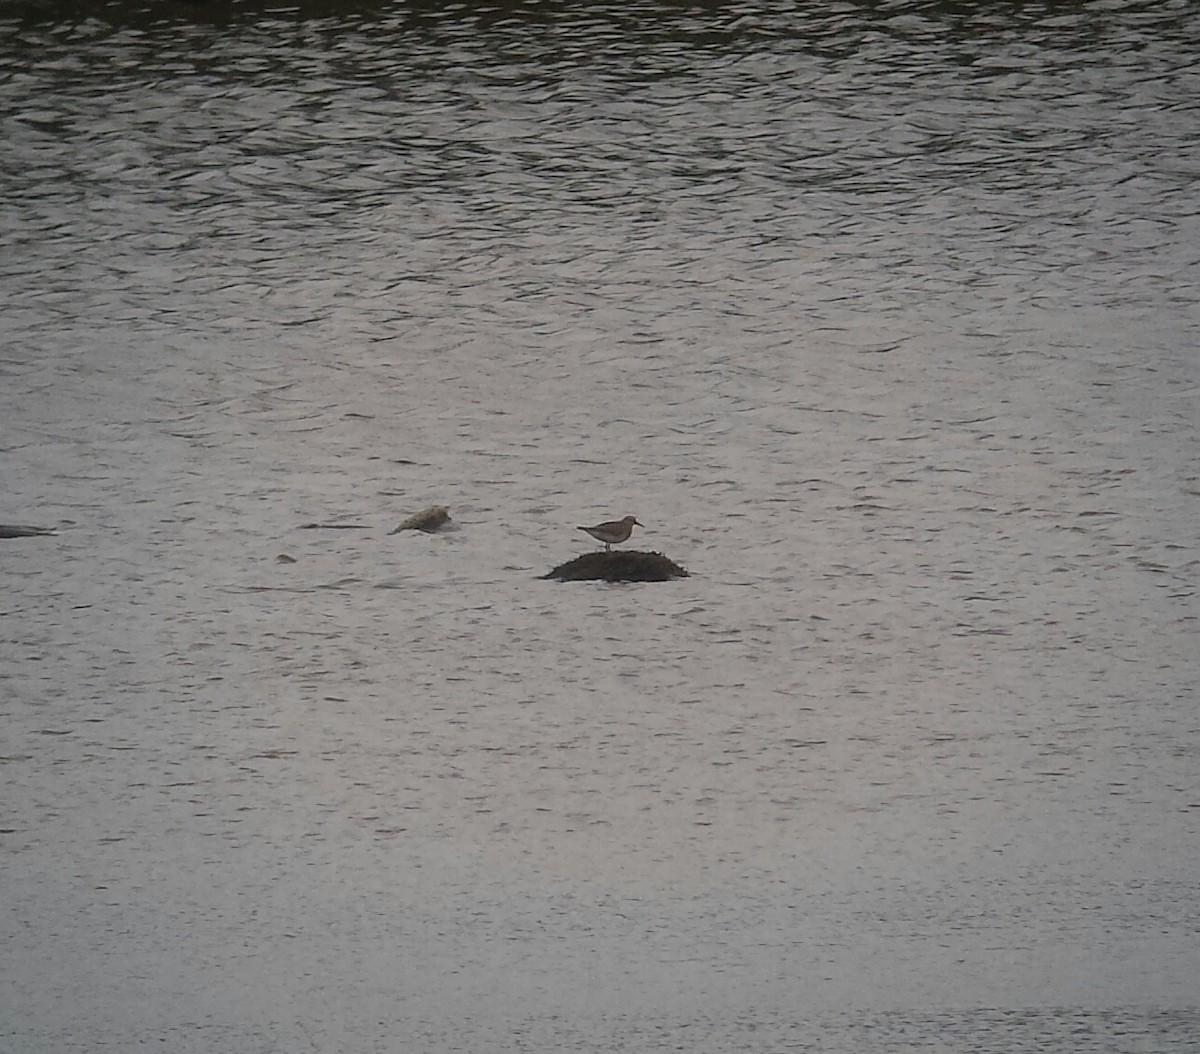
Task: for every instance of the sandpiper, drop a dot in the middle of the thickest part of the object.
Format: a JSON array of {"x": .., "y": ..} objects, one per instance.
[{"x": 612, "y": 532}]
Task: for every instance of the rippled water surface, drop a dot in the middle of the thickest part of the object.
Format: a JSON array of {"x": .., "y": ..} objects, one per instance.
[{"x": 881, "y": 317}]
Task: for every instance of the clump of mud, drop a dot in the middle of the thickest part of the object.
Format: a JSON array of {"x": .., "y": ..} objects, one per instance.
[{"x": 625, "y": 566}]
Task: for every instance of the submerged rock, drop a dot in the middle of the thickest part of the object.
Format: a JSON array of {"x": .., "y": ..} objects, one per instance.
[
  {"x": 427, "y": 520},
  {"x": 623, "y": 566},
  {"x": 20, "y": 530}
]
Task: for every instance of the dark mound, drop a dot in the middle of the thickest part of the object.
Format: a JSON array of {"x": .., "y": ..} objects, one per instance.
[{"x": 624, "y": 566}]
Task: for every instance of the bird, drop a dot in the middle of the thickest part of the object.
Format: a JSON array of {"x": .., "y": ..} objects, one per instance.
[{"x": 612, "y": 532}]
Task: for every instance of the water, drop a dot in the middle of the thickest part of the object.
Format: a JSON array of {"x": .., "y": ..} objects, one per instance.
[{"x": 881, "y": 317}]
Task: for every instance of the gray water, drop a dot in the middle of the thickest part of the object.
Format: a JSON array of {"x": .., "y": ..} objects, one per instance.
[{"x": 880, "y": 317}]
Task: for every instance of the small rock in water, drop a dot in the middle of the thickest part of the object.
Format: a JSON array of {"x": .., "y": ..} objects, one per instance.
[
  {"x": 628, "y": 565},
  {"x": 428, "y": 520},
  {"x": 20, "y": 530}
]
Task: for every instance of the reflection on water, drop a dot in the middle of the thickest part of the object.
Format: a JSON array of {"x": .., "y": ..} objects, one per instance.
[
  {"x": 890, "y": 160},
  {"x": 881, "y": 317}
]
